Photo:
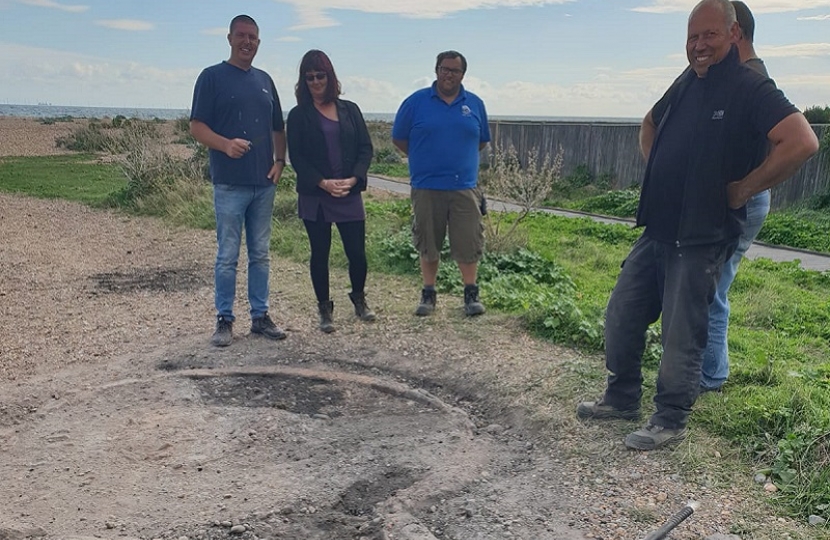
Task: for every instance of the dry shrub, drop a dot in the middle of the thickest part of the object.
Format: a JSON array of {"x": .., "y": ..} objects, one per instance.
[{"x": 523, "y": 180}]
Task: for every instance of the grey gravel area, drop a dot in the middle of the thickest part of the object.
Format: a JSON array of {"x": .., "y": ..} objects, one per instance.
[{"x": 101, "y": 314}]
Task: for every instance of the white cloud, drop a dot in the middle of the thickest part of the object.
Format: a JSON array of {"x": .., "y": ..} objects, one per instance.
[
  {"x": 55, "y": 5},
  {"x": 217, "y": 31},
  {"x": 371, "y": 95},
  {"x": 126, "y": 24},
  {"x": 814, "y": 18},
  {"x": 758, "y": 6},
  {"x": 311, "y": 17},
  {"x": 65, "y": 78},
  {"x": 796, "y": 50},
  {"x": 315, "y": 13},
  {"x": 625, "y": 94}
]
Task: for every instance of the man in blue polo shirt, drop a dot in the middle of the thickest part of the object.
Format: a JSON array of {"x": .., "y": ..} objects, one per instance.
[
  {"x": 701, "y": 140},
  {"x": 442, "y": 129},
  {"x": 236, "y": 113}
]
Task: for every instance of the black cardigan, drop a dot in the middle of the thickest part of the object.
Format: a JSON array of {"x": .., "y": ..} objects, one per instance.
[{"x": 308, "y": 152}]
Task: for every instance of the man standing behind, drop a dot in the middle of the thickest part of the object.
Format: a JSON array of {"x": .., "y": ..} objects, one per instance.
[
  {"x": 442, "y": 129},
  {"x": 236, "y": 113},
  {"x": 701, "y": 141},
  {"x": 715, "y": 367}
]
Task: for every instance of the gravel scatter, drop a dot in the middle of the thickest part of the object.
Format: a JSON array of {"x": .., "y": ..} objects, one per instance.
[{"x": 129, "y": 300}]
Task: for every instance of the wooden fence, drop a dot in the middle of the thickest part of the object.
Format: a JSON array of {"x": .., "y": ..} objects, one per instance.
[{"x": 610, "y": 148}]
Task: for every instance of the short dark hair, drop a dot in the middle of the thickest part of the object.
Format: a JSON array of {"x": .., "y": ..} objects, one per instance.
[
  {"x": 451, "y": 54},
  {"x": 315, "y": 60},
  {"x": 745, "y": 20},
  {"x": 247, "y": 19}
]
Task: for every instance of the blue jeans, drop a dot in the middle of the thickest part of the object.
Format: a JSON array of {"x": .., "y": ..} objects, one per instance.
[
  {"x": 679, "y": 283},
  {"x": 715, "y": 369},
  {"x": 236, "y": 207}
]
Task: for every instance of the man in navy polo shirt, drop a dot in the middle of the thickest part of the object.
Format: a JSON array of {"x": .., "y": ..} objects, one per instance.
[
  {"x": 236, "y": 113},
  {"x": 442, "y": 129},
  {"x": 701, "y": 140}
]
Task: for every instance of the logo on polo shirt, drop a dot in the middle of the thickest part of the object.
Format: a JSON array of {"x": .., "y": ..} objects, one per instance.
[
  {"x": 465, "y": 110},
  {"x": 717, "y": 115}
]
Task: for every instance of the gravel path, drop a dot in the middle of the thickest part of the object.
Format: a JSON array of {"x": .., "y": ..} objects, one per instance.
[{"x": 89, "y": 298}]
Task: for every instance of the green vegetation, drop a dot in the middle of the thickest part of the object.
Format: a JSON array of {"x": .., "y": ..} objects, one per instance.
[
  {"x": 388, "y": 160},
  {"x": 775, "y": 411},
  {"x": 817, "y": 115},
  {"x": 78, "y": 177},
  {"x": 49, "y": 120},
  {"x": 112, "y": 136}
]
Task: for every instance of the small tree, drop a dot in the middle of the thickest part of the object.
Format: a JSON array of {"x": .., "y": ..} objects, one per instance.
[{"x": 526, "y": 183}]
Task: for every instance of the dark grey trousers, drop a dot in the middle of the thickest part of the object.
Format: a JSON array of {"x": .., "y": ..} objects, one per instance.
[{"x": 679, "y": 283}]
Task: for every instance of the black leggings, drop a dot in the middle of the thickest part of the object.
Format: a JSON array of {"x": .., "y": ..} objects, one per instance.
[{"x": 353, "y": 235}]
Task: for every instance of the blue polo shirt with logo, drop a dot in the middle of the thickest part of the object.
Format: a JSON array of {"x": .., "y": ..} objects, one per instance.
[
  {"x": 244, "y": 104},
  {"x": 443, "y": 138}
]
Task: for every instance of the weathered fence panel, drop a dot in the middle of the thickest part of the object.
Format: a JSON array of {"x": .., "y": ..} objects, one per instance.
[{"x": 606, "y": 147}]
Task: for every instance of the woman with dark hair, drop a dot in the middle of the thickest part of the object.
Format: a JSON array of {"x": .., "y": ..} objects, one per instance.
[{"x": 330, "y": 150}]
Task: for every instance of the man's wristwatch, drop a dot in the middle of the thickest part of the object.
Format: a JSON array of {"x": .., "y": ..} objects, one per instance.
[{"x": 281, "y": 160}]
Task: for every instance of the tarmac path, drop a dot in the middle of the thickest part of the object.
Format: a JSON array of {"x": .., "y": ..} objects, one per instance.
[{"x": 808, "y": 260}]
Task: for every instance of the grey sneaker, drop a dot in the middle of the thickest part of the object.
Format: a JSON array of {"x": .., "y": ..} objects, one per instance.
[
  {"x": 266, "y": 327},
  {"x": 597, "y": 410},
  {"x": 652, "y": 437},
  {"x": 223, "y": 335},
  {"x": 427, "y": 305},
  {"x": 472, "y": 306}
]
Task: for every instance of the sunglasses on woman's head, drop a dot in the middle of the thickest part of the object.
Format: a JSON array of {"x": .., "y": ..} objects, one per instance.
[{"x": 319, "y": 76}]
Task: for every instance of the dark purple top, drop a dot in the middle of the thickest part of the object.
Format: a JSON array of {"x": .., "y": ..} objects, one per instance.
[{"x": 333, "y": 209}]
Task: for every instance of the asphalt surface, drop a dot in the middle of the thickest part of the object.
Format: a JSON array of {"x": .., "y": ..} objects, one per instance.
[{"x": 807, "y": 259}]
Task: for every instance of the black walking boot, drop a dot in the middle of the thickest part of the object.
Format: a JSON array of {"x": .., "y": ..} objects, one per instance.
[
  {"x": 427, "y": 305},
  {"x": 361, "y": 308},
  {"x": 326, "y": 316},
  {"x": 472, "y": 306}
]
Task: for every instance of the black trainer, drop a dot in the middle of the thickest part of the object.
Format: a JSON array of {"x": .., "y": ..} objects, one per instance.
[
  {"x": 266, "y": 327},
  {"x": 597, "y": 410},
  {"x": 223, "y": 335},
  {"x": 652, "y": 437}
]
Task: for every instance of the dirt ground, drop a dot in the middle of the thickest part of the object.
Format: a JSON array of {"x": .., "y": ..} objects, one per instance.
[{"x": 118, "y": 420}]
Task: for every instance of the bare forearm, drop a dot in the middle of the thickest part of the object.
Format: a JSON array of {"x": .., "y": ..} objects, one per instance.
[
  {"x": 401, "y": 145},
  {"x": 234, "y": 148},
  {"x": 279, "y": 145},
  {"x": 202, "y": 133},
  {"x": 647, "y": 132},
  {"x": 793, "y": 142}
]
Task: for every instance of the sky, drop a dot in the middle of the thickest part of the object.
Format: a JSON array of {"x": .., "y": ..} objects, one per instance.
[{"x": 562, "y": 58}]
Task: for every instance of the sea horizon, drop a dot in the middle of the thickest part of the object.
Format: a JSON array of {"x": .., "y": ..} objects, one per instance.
[{"x": 48, "y": 110}]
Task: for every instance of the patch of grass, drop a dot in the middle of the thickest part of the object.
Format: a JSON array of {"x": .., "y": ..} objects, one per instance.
[
  {"x": 72, "y": 177},
  {"x": 803, "y": 228},
  {"x": 393, "y": 170}
]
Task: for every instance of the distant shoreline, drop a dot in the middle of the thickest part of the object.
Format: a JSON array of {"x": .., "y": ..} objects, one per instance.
[{"x": 58, "y": 111}]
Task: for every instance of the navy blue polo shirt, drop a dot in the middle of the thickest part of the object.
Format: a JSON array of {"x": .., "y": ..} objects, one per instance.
[
  {"x": 244, "y": 104},
  {"x": 443, "y": 138}
]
